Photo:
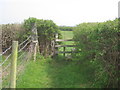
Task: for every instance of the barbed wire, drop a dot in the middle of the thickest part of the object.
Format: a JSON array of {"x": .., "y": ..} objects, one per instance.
[
  {"x": 21, "y": 55},
  {"x": 24, "y": 46},
  {"x": 6, "y": 71},
  {"x": 11, "y": 46},
  {"x": 25, "y": 41},
  {"x": 6, "y": 67},
  {"x": 6, "y": 50},
  {"x": 6, "y": 59}
]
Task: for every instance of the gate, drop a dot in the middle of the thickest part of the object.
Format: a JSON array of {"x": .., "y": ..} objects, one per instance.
[{"x": 56, "y": 51}]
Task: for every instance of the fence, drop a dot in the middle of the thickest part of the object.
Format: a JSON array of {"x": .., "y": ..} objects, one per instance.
[
  {"x": 13, "y": 64},
  {"x": 56, "y": 51}
]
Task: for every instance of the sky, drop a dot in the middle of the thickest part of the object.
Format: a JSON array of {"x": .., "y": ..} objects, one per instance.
[{"x": 62, "y": 12}]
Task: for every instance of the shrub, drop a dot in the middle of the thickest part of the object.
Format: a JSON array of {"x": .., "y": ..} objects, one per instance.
[{"x": 98, "y": 43}]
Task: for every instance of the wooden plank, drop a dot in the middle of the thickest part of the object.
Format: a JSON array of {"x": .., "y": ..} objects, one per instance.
[
  {"x": 68, "y": 52},
  {"x": 59, "y": 40},
  {"x": 65, "y": 45}
]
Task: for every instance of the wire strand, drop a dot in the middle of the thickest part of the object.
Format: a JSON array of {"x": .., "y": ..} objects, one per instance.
[
  {"x": 6, "y": 67},
  {"x": 25, "y": 41},
  {"x": 6, "y": 50},
  {"x": 6, "y": 59},
  {"x": 24, "y": 46}
]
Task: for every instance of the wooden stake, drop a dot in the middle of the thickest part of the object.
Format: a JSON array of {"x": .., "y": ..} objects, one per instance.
[
  {"x": 35, "y": 43},
  {"x": 64, "y": 51},
  {"x": 13, "y": 64}
]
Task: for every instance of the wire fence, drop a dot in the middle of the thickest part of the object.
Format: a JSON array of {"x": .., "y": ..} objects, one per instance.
[{"x": 23, "y": 57}]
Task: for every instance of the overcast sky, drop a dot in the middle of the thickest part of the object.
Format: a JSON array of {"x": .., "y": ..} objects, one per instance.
[{"x": 62, "y": 12}]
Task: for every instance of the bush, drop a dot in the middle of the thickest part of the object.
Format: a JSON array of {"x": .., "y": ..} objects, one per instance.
[
  {"x": 12, "y": 32},
  {"x": 98, "y": 43},
  {"x": 47, "y": 30}
]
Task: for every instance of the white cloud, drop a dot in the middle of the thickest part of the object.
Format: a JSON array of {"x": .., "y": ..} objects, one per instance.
[{"x": 62, "y": 12}]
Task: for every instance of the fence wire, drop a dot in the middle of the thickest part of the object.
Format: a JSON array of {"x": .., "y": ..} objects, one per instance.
[{"x": 23, "y": 57}]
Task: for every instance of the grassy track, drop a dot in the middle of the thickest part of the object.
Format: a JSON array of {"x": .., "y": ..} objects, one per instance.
[{"x": 57, "y": 73}]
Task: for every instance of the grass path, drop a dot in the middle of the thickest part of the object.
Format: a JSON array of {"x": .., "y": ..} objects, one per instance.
[
  {"x": 48, "y": 73},
  {"x": 58, "y": 72}
]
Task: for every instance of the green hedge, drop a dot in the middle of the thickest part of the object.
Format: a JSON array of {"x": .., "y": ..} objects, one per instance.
[
  {"x": 12, "y": 32},
  {"x": 98, "y": 44}
]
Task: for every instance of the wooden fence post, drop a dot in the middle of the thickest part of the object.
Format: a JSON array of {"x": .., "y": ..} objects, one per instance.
[
  {"x": 35, "y": 44},
  {"x": 13, "y": 64},
  {"x": 56, "y": 48},
  {"x": 64, "y": 51}
]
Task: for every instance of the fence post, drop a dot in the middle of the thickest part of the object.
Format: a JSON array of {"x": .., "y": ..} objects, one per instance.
[
  {"x": 13, "y": 64},
  {"x": 35, "y": 45},
  {"x": 56, "y": 48},
  {"x": 64, "y": 51}
]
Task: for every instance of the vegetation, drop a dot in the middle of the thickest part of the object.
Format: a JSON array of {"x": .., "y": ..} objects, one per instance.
[
  {"x": 56, "y": 73},
  {"x": 12, "y": 32},
  {"x": 47, "y": 30},
  {"x": 98, "y": 44},
  {"x": 96, "y": 66},
  {"x": 66, "y": 28}
]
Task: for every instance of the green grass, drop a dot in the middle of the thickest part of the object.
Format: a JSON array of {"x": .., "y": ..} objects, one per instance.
[
  {"x": 67, "y": 34},
  {"x": 6, "y": 78},
  {"x": 56, "y": 73}
]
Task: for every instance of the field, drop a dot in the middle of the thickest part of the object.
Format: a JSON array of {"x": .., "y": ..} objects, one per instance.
[
  {"x": 67, "y": 35},
  {"x": 57, "y": 73}
]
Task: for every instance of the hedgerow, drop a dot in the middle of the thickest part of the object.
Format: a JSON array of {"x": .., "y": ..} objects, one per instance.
[
  {"x": 98, "y": 43},
  {"x": 47, "y": 30}
]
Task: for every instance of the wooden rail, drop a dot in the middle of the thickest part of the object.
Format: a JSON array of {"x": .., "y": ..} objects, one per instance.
[
  {"x": 67, "y": 52},
  {"x": 59, "y": 40},
  {"x": 65, "y": 45}
]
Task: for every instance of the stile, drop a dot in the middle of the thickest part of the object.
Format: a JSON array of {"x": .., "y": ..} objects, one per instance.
[{"x": 64, "y": 51}]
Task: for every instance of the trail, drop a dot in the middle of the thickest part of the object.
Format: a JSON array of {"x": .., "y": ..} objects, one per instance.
[{"x": 55, "y": 74}]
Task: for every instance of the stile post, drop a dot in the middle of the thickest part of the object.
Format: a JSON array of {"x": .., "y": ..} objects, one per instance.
[
  {"x": 56, "y": 48},
  {"x": 64, "y": 51},
  {"x": 13, "y": 64},
  {"x": 35, "y": 41}
]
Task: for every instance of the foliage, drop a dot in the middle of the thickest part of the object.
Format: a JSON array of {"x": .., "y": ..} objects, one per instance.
[
  {"x": 28, "y": 23},
  {"x": 47, "y": 30},
  {"x": 66, "y": 28},
  {"x": 98, "y": 43},
  {"x": 12, "y": 32}
]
